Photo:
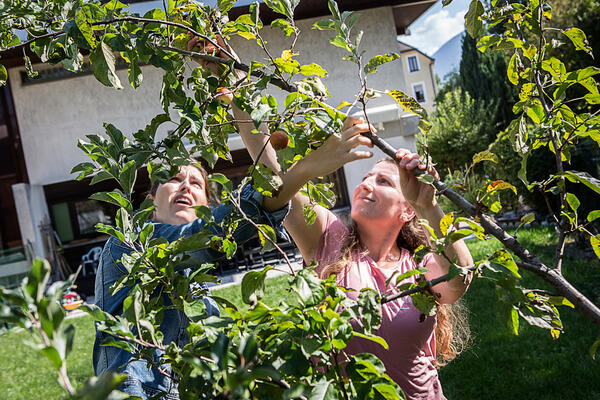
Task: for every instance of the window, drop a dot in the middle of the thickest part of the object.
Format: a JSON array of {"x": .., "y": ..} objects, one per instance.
[
  {"x": 419, "y": 92},
  {"x": 413, "y": 63}
]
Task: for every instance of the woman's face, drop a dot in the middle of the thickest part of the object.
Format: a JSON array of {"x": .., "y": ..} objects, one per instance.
[
  {"x": 174, "y": 198},
  {"x": 379, "y": 198}
]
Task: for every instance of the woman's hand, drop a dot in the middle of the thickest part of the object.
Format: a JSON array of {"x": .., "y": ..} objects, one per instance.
[
  {"x": 339, "y": 149},
  {"x": 205, "y": 47},
  {"x": 420, "y": 195}
]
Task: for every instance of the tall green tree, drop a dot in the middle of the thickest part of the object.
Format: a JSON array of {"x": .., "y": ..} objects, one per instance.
[{"x": 483, "y": 76}]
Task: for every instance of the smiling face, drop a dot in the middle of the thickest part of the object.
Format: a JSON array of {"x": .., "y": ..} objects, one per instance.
[
  {"x": 174, "y": 198},
  {"x": 379, "y": 199}
]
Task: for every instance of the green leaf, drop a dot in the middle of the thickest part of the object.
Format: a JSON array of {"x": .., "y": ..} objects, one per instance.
[
  {"x": 585, "y": 178},
  {"x": 103, "y": 66},
  {"x": 513, "y": 321},
  {"x": 387, "y": 391},
  {"x": 527, "y": 219},
  {"x": 503, "y": 258},
  {"x": 286, "y": 27},
  {"x": 593, "y": 215},
  {"x": 101, "y": 176},
  {"x": 146, "y": 233},
  {"x": 134, "y": 72},
  {"x": 313, "y": 69},
  {"x": 265, "y": 181},
  {"x": 512, "y": 73},
  {"x": 308, "y": 287},
  {"x": 84, "y": 169},
  {"x": 35, "y": 284},
  {"x": 573, "y": 201},
  {"x": 374, "y": 338},
  {"x": 260, "y": 113},
  {"x": 325, "y": 24},
  {"x": 102, "y": 387},
  {"x": 225, "y": 5},
  {"x": 556, "y": 68},
  {"x": 189, "y": 110},
  {"x": 425, "y": 302},
  {"x": 323, "y": 390},
  {"x": 115, "y": 197},
  {"x": 592, "y": 98},
  {"x": 579, "y": 39},
  {"x": 595, "y": 242},
  {"x": 310, "y": 215},
  {"x": 379, "y": 60},
  {"x": 226, "y": 184},
  {"x": 110, "y": 230},
  {"x": 473, "y": 23},
  {"x": 96, "y": 312},
  {"x": 594, "y": 348},
  {"x": 253, "y": 285},
  {"x": 195, "y": 310},
  {"x": 265, "y": 233},
  {"x": 52, "y": 354},
  {"x": 3, "y": 75}
]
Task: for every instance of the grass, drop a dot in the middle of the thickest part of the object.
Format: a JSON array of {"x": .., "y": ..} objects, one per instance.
[
  {"x": 532, "y": 364},
  {"x": 27, "y": 374},
  {"x": 497, "y": 365}
]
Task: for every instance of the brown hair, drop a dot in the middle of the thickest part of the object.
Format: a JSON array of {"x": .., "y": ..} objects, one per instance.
[
  {"x": 452, "y": 332},
  {"x": 199, "y": 167}
]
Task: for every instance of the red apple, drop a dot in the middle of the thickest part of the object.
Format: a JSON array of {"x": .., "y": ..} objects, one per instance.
[
  {"x": 210, "y": 49},
  {"x": 279, "y": 140},
  {"x": 224, "y": 96}
]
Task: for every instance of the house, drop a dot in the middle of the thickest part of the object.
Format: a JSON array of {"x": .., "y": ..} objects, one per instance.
[
  {"x": 42, "y": 119},
  {"x": 419, "y": 75}
]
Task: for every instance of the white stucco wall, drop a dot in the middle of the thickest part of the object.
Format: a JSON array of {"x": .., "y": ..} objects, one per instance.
[{"x": 53, "y": 115}]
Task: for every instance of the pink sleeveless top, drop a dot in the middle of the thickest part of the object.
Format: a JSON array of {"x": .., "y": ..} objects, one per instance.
[{"x": 411, "y": 354}]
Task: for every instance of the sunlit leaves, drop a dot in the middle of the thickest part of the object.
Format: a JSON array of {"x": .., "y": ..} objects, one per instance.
[
  {"x": 379, "y": 60},
  {"x": 313, "y": 69},
  {"x": 595, "y": 242},
  {"x": 253, "y": 285},
  {"x": 407, "y": 102},
  {"x": 103, "y": 66},
  {"x": 473, "y": 23},
  {"x": 265, "y": 181},
  {"x": 579, "y": 39},
  {"x": 485, "y": 155}
]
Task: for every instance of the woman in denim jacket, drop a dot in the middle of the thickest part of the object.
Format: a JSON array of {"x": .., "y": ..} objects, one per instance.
[{"x": 173, "y": 218}]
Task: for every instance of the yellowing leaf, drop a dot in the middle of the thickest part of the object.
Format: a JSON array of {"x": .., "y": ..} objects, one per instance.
[
  {"x": 485, "y": 155},
  {"x": 500, "y": 185},
  {"x": 287, "y": 55},
  {"x": 446, "y": 222}
]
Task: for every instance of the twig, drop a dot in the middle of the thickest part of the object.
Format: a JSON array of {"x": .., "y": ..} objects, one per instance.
[
  {"x": 242, "y": 67},
  {"x": 285, "y": 257}
]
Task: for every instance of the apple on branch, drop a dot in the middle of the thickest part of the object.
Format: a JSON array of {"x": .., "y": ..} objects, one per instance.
[
  {"x": 224, "y": 96},
  {"x": 279, "y": 140}
]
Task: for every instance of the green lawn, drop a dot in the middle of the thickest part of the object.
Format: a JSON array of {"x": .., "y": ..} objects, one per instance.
[
  {"x": 26, "y": 374},
  {"x": 498, "y": 364}
]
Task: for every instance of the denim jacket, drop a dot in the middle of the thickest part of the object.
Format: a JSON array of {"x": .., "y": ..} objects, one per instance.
[{"x": 141, "y": 381}]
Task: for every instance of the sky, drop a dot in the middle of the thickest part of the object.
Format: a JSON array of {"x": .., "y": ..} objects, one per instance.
[{"x": 436, "y": 26}]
